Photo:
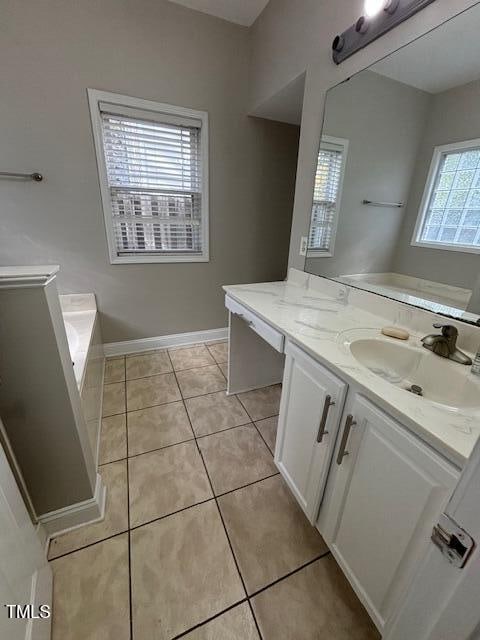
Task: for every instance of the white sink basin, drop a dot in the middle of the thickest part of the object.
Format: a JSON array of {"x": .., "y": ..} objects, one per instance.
[{"x": 404, "y": 364}]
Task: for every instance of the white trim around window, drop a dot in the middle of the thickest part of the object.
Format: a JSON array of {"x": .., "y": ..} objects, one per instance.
[
  {"x": 439, "y": 154},
  {"x": 148, "y": 112},
  {"x": 330, "y": 143}
]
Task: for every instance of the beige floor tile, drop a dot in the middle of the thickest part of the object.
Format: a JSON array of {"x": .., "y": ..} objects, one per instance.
[
  {"x": 114, "y": 370},
  {"x": 114, "y": 476},
  {"x": 183, "y": 573},
  {"x": 235, "y": 624},
  {"x": 223, "y": 366},
  {"x": 113, "y": 439},
  {"x": 148, "y": 364},
  {"x": 147, "y": 392},
  {"x": 157, "y": 427},
  {"x": 268, "y": 429},
  {"x": 113, "y": 399},
  {"x": 197, "y": 382},
  {"x": 317, "y": 602},
  {"x": 269, "y": 532},
  {"x": 165, "y": 481},
  {"x": 219, "y": 351},
  {"x": 215, "y": 412},
  {"x": 91, "y": 593},
  {"x": 262, "y": 403},
  {"x": 235, "y": 458},
  {"x": 191, "y": 357}
]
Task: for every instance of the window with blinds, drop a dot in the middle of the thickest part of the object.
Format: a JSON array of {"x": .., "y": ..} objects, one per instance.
[
  {"x": 450, "y": 214},
  {"x": 153, "y": 174},
  {"x": 326, "y": 195}
]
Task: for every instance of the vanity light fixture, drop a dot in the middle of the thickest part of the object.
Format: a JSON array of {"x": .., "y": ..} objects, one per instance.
[
  {"x": 380, "y": 16},
  {"x": 372, "y": 7}
]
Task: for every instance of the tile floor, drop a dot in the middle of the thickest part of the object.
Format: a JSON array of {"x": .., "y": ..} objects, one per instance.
[{"x": 201, "y": 538}]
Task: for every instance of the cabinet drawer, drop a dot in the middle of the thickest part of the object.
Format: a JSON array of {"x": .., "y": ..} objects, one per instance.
[{"x": 264, "y": 330}]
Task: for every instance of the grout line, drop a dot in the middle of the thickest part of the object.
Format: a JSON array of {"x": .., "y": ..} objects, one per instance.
[
  {"x": 167, "y": 515},
  {"x": 201, "y": 366},
  {"x": 152, "y": 406},
  {"x": 130, "y": 594},
  {"x": 218, "y": 508},
  {"x": 255, "y": 619},
  {"x": 249, "y": 484},
  {"x": 198, "y": 366},
  {"x": 223, "y": 524},
  {"x": 86, "y": 546},
  {"x": 237, "y": 426},
  {"x": 260, "y": 434},
  {"x": 151, "y": 375},
  {"x": 163, "y": 373},
  {"x": 104, "y": 464},
  {"x": 167, "y": 446},
  {"x": 109, "y": 384},
  {"x": 288, "y": 575},
  {"x": 194, "y": 436},
  {"x": 255, "y": 421},
  {"x": 204, "y": 622}
]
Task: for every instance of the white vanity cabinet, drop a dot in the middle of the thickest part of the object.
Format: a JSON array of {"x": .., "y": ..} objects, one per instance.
[
  {"x": 310, "y": 411},
  {"x": 385, "y": 491}
]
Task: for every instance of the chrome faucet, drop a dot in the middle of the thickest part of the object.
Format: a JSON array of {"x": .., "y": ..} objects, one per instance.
[{"x": 445, "y": 344}]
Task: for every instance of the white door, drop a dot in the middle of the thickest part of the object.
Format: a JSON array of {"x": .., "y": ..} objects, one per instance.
[
  {"x": 443, "y": 601},
  {"x": 25, "y": 576},
  {"x": 311, "y": 406},
  {"x": 387, "y": 490}
]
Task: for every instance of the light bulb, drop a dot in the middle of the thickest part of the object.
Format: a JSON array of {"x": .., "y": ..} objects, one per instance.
[{"x": 372, "y": 7}]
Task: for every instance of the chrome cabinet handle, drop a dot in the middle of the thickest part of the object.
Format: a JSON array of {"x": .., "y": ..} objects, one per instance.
[
  {"x": 321, "y": 429},
  {"x": 350, "y": 422}
]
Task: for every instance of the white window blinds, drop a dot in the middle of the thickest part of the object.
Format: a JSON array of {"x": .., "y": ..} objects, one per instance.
[
  {"x": 154, "y": 178},
  {"x": 328, "y": 179},
  {"x": 153, "y": 170}
]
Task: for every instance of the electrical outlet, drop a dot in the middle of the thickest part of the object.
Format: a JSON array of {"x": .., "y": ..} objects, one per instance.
[{"x": 303, "y": 245}]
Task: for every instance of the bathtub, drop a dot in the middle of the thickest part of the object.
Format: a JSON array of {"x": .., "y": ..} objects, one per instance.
[
  {"x": 73, "y": 339},
  {"x": 85, "y": 344},
  {"x": 435, "y": 296}
]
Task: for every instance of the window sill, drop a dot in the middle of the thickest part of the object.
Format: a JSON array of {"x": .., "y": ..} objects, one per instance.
[
  {"x": 446, "y": 247},
  {"x": 314, "y": 253},
  {"x": 139, "y": 259}
]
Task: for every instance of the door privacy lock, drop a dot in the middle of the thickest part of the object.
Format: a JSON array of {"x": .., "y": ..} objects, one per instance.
[{"x": 453, "y": 541}]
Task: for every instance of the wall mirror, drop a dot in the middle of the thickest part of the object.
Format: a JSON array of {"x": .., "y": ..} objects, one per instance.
[{"x": 396, "y": 202}]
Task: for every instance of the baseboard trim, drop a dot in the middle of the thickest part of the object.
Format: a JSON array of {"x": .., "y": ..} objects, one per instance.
[
  {"x": 76, "y": 515},
  {"x": 164, "y": 342}
]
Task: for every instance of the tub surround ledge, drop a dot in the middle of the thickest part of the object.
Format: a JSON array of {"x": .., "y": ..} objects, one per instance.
[{"x": 80, "y": 317}]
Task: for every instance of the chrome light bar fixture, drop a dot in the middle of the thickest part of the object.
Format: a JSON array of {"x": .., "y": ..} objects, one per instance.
[{"x": 379, "y": 17}]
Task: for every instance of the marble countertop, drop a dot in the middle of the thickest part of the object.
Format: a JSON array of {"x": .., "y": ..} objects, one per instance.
[{"x": 316, "y": 320}]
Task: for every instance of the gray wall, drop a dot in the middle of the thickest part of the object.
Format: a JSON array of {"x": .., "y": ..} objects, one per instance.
[
  {"x": 382, "y": 119},
  {"x": 52, "y": 50},
  {"x": 454, "y": 117},
  {"x": 291, "y": 37}
]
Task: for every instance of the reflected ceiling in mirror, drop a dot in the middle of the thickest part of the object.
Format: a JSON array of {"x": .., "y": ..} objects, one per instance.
[{"x": 396, "y": 202}]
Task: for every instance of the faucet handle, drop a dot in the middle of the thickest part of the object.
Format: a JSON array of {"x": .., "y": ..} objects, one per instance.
[{"x": 448, "y": 330}]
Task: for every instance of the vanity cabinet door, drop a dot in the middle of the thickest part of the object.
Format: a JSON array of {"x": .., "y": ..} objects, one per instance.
[
  {"x": 385, "y": 492},
  {"x": 311, "y": 406}
]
